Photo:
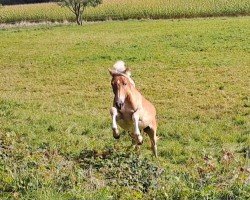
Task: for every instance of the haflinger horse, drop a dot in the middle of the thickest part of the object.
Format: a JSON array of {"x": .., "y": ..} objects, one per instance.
[{"x": 130, "y": 109}]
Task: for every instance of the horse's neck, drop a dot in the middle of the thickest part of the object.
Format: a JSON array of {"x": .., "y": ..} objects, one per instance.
[{"x": 134, "y": 98}]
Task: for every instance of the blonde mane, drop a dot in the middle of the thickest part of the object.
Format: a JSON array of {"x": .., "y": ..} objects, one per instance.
[{"x": 120, "y": 68}]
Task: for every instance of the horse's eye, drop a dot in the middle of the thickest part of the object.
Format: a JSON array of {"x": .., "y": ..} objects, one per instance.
[{"x": 124, "y": 84}]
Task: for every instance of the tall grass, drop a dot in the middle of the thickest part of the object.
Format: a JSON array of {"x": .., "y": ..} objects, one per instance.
[
  {"x": 161, "y": 9},
  {"x": 34, "y": 13},
  {"x": 128, "y": 9}
]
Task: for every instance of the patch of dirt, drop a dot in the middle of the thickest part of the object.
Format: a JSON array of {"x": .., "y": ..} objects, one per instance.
[{"x": 31, "y": 24}]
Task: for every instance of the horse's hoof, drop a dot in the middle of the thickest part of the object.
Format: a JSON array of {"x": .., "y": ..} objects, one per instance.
[
  {"x": 116, "y": 134},
  {"x": 140, "y": 140},
  {"x": 116, "y": 137}
]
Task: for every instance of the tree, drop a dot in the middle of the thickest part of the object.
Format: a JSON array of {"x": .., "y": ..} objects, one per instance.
[{"x": 78, "y": 7}]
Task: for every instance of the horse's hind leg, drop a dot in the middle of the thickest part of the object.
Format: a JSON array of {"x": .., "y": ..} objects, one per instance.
[
  {"x": 115, "y": 116},
  {"x": 151, "y": 131}
]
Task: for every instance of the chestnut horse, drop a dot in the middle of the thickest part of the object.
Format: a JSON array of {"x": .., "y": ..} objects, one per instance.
[{"x": 130, "y": 109}]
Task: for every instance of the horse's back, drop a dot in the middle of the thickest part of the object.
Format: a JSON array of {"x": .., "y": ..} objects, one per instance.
[
  {"x": 148, "y": 107},
  {"x": 148, "y": 114}
]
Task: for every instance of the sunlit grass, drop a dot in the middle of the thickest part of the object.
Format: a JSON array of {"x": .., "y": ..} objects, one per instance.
[{"x": 55, "y": 99}]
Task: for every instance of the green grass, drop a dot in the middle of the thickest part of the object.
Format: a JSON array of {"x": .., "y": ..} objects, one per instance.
[
  {"x": 55, "y": 135},
  {"x": 127, "y": 9}
]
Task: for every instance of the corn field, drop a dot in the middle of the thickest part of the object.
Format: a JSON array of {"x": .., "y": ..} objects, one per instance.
[{"x": 127, "y": 9}]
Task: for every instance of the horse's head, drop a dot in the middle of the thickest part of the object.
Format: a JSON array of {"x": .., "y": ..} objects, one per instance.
[{"x": 121, "y": 83}]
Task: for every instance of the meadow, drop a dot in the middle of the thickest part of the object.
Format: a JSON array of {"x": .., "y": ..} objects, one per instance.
[
  {"x": 127, "y": 9},
  {"x": 55, "y": 130}
]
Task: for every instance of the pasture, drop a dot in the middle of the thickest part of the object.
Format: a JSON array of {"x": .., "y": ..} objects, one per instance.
[
  {"x": 127, "y": 9},
  {"x": 55, "y": 130}
]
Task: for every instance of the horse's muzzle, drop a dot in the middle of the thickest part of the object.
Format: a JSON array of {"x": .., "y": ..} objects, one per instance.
[{"x": 119, "y": 105}]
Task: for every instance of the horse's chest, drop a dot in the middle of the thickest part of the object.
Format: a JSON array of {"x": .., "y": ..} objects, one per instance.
[{"x": 127, "y": 123}]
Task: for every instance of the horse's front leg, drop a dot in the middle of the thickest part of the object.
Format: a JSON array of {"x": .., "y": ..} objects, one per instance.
[
  {"x": 115, "y": 115},
  {"x": 137, "y": 132}
]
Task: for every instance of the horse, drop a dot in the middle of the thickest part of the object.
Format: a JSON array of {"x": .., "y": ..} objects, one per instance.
[{"x": 131, "y": 110}]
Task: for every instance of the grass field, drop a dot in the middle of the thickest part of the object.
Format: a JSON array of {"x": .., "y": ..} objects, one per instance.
[
  {"x": 55, "y": 136},
  {"x": 127, "y": 9}
]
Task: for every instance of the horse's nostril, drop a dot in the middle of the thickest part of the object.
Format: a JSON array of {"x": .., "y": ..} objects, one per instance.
[{"x": 119, "y": 105}]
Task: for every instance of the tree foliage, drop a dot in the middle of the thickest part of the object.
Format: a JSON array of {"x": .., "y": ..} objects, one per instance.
[{"x": 78, "y": 6}]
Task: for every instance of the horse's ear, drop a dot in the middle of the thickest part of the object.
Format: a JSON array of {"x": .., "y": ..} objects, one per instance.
[
  {"x": 111, "y": 72},
  {"x": 127, "y": 72}
]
